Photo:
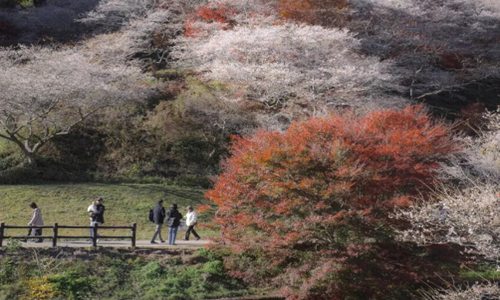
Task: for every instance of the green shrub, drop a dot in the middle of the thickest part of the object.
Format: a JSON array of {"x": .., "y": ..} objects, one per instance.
[
  {"x": 7, "y": 271},
  {"x": 12, "y": 246},
  {"x": 104, "y": 275},
  {"x": 151, "y": 270},
  {"x": 73, "y": 285},
  {"x": 482, "y": 273}
]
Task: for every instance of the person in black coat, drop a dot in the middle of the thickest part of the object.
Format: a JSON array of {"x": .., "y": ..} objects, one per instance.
[
  {"x": 173, "y": 221},
  {"x": 99, "y": 213},
  {"x": 158, "y": 217},
  {"x": 96, "y": 214}
]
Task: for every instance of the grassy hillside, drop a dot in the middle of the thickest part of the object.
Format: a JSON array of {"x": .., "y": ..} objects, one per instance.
[{"x": 67, "y": 203}]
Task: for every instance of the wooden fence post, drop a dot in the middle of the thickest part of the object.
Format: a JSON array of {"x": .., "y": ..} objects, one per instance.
[
  {"x": 2, "y": 227},
  {"x": 55, "y": 231},
  {"x": 134, "y": 234},
  {"x": 94, "y": 234}
]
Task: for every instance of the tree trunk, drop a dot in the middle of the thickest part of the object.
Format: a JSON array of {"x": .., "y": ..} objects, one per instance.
[{"x": 30, "y": 158}]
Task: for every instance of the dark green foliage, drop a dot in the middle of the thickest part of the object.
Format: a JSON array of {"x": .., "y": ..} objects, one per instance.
[
  {"x": 68, "y": 158},
  {"x": 8, "y": 3},
  {"x": 7, "y": 271},
  {"x": 203, "y": 281},
  {"x": 482, "y": 273},
  {"x": 181, "y": 136},
  {"x": 73, "y": 285},
  {"x": 21, "y": 3}
]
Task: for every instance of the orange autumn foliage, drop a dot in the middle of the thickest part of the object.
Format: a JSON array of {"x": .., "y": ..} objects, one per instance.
[
  {"x": 217, "y": 13},
  {"x": 283, "y": 193},
  {"x": 318, "y": 12}
]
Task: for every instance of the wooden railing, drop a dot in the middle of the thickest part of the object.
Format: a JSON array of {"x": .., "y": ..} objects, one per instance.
[{"x": 55, "y": 233}]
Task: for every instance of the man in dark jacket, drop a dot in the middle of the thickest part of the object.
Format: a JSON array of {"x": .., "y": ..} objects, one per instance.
[
  {"x": 158, "y": 217},
  {"x": 99, "y": 214},
  {"x": 173, "y": 221}
]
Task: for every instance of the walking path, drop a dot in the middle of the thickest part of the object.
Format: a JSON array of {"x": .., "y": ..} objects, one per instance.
[{"x": 180, "y": 244}]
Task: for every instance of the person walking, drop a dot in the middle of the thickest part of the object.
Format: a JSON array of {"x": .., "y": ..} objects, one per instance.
[
  {"x": 36, "y": 220},
  {"x": 173, "y": 221},
  {"x": 158, "y": 218},
  {"x": 96, "y": 214},
  {"x": 191, "y": 221}
]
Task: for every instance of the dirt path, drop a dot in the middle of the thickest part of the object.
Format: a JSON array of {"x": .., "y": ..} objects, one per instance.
[{"x": 180, "y": 244}]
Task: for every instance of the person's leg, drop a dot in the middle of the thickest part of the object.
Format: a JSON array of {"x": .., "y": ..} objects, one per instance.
[
  {"x": 157, "y": 229},
  {"x": 188, "y": 231},
  {"x": 195, "y": 233},
  {"x": 97, "y": 232},
  {"x": 170, "y": 235},
  {"x": 29, "y": 234},
  {"x": 38, "y": 232},
  {"x": 174, "y": 234},
  {"x": 160, "y": 227},
  {"x": 91, "y": 230},
  {"x": 92, "y": 225}
]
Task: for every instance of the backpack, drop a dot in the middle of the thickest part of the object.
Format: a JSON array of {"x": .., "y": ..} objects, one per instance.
[{"x": 151, "y": 215}]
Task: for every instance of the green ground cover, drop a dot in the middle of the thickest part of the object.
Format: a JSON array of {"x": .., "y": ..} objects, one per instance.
[
  {"x": 113, "y": 274},
  {"x": 67, "y": 204}
]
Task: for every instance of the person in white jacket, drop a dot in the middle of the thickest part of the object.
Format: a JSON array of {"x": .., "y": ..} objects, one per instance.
[
  {"x": 191, "y": 221},
  {"x": 36, "y": 220}
]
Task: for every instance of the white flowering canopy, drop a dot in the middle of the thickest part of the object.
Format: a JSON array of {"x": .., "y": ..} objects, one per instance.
[
  {"x": 46, "y": 92},
  {"x": 273, "y": 64},
  {"x": 468, "y": 215},
  {"x": 476, "y": 291},
  {"x": 470, "y": 218}
]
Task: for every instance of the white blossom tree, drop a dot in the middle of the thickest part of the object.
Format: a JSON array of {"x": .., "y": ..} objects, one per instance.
[
  {"x": 47, "y": 92},
  {"x": 113, "y": 14},
  {"x": 478, "y": 291},
  {"x": 275, "y": 64},
  {"x": 480, "y": 159},
  {"x": 469, "y": 217},
  {"x": 469, "y": 214}
]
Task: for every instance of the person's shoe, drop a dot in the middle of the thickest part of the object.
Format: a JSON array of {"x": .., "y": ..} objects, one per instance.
[
  {"x": 186, "y": 239},
  {"x": 153, "y": 242},
  {"x": 162, "y": 241},
  {"x": 198, "y": 238}
]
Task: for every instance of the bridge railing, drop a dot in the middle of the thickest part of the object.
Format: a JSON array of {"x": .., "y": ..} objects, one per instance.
[{"x": 56, "y": 236}]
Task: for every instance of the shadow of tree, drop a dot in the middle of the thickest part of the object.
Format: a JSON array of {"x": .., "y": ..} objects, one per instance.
[
  {"x": 52, "y": 21},
  {"x": 447, "y": 53}
]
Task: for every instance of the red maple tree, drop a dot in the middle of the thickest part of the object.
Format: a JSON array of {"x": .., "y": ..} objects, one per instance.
[{"x": 316, "y": 198}]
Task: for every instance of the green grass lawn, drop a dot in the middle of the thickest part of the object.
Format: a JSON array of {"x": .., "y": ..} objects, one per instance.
[{"x": 67, "y": 204}]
